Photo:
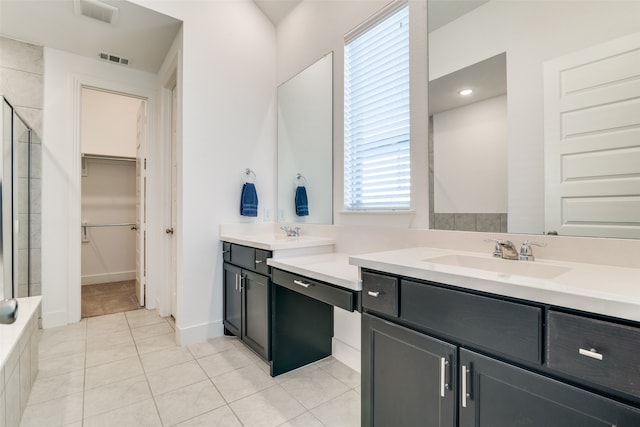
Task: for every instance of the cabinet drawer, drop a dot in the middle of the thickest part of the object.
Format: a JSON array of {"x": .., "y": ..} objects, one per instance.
[
  {"x": 598, "y": 351},
  {"x": 243, "y": 256},
  {"x": 493, "y": 324},
  {"x": 317, "y": 290},
  {"x": 380, "y": 293},
  {"x": 226, "y": 251},
  {"x": 260, "y": 263}
]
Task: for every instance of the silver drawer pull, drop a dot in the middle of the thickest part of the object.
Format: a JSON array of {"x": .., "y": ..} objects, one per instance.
[
  {"x": 258, "y": 261},
  {"x": 373, "y": 294},
  {"x": 592, "y": 353},
  {"x": 301, "y": 283}
]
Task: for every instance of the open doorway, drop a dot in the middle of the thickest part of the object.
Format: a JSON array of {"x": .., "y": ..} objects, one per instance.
[{"x": 112, "y": 141}]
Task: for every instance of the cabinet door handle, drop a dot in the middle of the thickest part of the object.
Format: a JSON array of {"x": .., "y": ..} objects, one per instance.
[
  {"x": 236, "y": 282},
  {"x": 443, "y": 366},
  {"x": 242, "y": 282},
  {"x": 373, "y": 293},
  {"x": 258, "y": 261},
  {"x": 301, "y": 283},
  {"x": 466, "y": 385},
  {"x": 592, "y": 353}
]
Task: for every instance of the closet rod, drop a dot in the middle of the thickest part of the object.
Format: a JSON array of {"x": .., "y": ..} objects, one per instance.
[
  {"x": 101, "y": 157},
  {"x": 110, "y": 225}
]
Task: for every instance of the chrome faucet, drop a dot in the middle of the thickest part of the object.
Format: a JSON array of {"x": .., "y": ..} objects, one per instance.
[
  {"x": 504, "y": 249},
  {"x": 291, "y": 232}
]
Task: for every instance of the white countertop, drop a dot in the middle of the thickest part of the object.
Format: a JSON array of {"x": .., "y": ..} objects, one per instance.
[
  {"x": 272, "y": 242},
  {"x": 332, "y": 268},
  {"x": 607, "y": 290}
]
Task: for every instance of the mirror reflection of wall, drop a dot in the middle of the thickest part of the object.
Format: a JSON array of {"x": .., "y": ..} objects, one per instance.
[
  {"x": 468, "y": 113},
  {"x": 531, "y": 33},
  {"x": 305, "y": 145}
]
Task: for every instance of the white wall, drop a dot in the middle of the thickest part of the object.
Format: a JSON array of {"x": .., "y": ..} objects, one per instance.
[
  {"x": 109, "y": 125},
  {"x": 470, "y": 151},
  {"x": 63, "y": 75},
  {"x": 531, "y": 33},
  {"x": 108, "y": 197},
  {"x": 227, "y": 124}
]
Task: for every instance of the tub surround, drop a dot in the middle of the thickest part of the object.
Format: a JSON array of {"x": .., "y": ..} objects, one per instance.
[{"x": 18, "y": 360}]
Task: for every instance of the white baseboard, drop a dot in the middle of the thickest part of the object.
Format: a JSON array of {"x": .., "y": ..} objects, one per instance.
[
  {"x": 346, "y": 354},
  {"x": 119, "y": 276},
  {"x": 53, "y": 320},
  {"x": 198, "y": 333}
]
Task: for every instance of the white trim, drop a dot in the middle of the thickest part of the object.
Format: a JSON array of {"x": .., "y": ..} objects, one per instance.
[
  {"x": 55, "y": 319},
  {"x": 388, "y": 10},
  {"x": 118, "y": 276},
  {"x": 346, "y": 354},
  {"x": 198, "y": 333}
]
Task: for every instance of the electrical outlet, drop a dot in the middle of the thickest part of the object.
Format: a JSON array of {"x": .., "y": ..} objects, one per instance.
[{"x": 267, "y": 214}]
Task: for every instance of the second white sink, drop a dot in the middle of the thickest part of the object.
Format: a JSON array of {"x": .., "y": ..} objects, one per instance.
[{"x": 497, "y": 265}]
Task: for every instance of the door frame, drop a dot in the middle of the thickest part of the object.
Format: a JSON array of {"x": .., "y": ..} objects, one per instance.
[{"x": 74, "y": 287}]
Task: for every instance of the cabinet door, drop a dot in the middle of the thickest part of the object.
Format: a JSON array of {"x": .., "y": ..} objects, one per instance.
[
  {"x": 407, "y": 377},
  {"x": 494, "y": 394},
  {"x": 255, "y": 328},
  {"x": 232, "y": 299}
]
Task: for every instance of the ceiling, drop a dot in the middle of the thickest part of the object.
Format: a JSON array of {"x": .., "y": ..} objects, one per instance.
[{"x": 139, "y": 34}]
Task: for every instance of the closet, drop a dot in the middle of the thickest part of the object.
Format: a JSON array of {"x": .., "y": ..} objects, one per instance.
[{"x": 109, "y": 202}]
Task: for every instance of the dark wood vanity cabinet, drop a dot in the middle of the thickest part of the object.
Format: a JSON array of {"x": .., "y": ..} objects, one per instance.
[
  {"x": 445, "y": 356},
  {"x": 246, "y": 293}
]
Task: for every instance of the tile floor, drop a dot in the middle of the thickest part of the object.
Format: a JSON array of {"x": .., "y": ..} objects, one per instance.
[{"x": 125, "y": 370}]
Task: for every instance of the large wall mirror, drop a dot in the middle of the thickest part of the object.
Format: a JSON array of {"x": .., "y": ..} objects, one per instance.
[
  {"x": 305, "y": 145},
  {"x": 510, "y": 157}
]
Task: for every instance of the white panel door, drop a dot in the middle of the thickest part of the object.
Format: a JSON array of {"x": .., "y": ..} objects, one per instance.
[
  {"x": 141, "y": 214},
  {"x": 592, "y": 140}
]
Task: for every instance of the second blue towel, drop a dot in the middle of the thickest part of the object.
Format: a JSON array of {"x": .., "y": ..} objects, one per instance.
[{"x": 302, "y": 203}]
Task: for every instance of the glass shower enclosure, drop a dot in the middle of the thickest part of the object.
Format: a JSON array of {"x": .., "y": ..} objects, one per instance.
[{"x": 15, "y": 200}]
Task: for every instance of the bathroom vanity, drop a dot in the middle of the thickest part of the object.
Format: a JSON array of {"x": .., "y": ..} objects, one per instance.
[
  {"x": 280, "y": 294},
  {"x": 449, "y": 340}
]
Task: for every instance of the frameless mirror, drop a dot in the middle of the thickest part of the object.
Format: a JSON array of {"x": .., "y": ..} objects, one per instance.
[
  {"x": 305, "y": 145},
  {"x": 582, "y": 148}
]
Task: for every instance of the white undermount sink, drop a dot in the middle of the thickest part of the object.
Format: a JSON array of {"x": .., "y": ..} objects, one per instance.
[{"x": 503, "y": 266}]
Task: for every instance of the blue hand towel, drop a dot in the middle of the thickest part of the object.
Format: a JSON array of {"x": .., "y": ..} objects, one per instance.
[
  {"x": 249, "y": 200},
  {"x": 302, "y": 203}
]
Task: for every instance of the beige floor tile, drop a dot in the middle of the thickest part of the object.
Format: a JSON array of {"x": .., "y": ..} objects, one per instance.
[
  {"x": 342, "y": 411},
  {"x": 221, "y": 417},
  {"x": 111, "y": 354},
  {"x": 112, "y": 372},
  {"x": 242, "y": 382},
  {"x": 55, "y": 348},
  {"x": 107, "y": 324},
  {"x": 164, "y": 358},
  {"x": 56, "y": 412},
  {"x": 240, "y": 346},
  {"x": 141, "y": 414},
  {"x": 212, "y": 346},
  {"x": 49, "y": 388},
  {"x": 151, "y": 330},
  {"x": 115, "y": 395},
  {"x": 102, "y": 341},
  {"x": 270, "y": 407},
  {"x": 343, "y": 373},
  {"x": 156, "y": 343},
  {"x": 223, "y": 362},
  {"x": 305, "y": 420},
  {"x": 175, "y": 377},
  {"x": 74, "y": 331},
  {"x": 313, "y": 387},
  {"x": 143, "y": 317},
  {"x": 52, "y": 366},
  {"x": 188, "y": 402}
]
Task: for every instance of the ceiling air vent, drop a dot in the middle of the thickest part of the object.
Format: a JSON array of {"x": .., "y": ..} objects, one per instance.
[
  {"x": 96, "y": 10},
  {"x": 114, "y": 58}
]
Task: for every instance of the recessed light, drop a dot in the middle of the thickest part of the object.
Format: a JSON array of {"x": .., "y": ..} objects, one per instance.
[{"x": 466, "y": 92}]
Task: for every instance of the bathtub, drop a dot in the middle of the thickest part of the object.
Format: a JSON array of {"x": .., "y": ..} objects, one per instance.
[{"x": 18, "y": 360}]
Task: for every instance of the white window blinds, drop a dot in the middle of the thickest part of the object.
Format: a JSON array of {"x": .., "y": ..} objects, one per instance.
[{"x": 376, "y": 109}]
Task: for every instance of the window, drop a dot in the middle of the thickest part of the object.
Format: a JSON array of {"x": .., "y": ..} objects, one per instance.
[{"x": 376, "y": 105}]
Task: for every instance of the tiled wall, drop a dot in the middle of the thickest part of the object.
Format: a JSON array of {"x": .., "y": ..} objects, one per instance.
[
  {"x": 19, "y": 372},
  {"x": 22, "y": 83},
  {"x": 485, "y": 222}
]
